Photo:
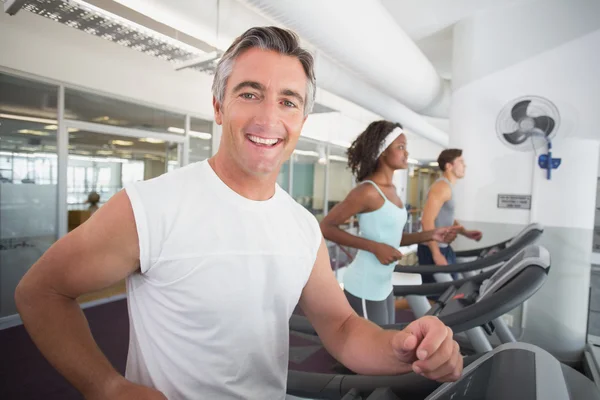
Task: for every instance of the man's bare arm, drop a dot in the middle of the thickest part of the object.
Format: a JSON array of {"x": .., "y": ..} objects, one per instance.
[
  {"x": 438, "y": 195},
  {"x": 350, "y": 339},
  {"x": 426, "y": 346},
  {"x": 99, "y": 253}
]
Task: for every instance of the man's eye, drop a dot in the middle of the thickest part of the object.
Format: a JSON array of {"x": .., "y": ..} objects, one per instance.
[
  {"x": 248, "y": 96},
  {"x": 288, "y": 103}
]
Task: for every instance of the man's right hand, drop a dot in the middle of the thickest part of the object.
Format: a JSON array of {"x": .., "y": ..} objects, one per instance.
[
  {"x": 386, "y": 254},
  {"x": 126, "y": 390},
  {"x": 439, "y": 259}
]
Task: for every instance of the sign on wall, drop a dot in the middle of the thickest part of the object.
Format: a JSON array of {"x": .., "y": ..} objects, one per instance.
[{"x": 514, "y": 201}]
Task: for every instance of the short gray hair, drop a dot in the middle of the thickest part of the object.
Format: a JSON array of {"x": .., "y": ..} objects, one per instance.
[{"x": 272, "y": 38}]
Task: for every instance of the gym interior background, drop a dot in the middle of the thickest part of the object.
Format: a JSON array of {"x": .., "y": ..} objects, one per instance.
[{"x": 98, "y": 93}]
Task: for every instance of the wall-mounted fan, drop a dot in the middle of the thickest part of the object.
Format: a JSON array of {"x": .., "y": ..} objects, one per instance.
[{"x": 530, "y": 123}]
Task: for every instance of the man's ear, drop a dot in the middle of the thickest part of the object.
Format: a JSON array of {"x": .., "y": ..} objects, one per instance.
[{"x": 218, "y": 111}]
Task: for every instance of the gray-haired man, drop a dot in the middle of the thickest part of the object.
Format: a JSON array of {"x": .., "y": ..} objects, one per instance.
[{"x": 216, "y": 258}]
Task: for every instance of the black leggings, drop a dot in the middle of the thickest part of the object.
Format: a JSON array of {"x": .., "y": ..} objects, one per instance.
[{"x": 380, "y": 312}]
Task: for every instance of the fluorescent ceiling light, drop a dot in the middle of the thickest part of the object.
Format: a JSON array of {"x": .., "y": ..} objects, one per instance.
[
  {"x": 338, "y": 158},
  {"x": 433, "y": 164},
  {"x": 151, "y": 140},
  {"x": 28, "y": 119},
  {"x": 413, "y": 161},
  {"x": 29, "y": 148},
  {"x": 172, "y": 129},
  {"x": 200, "y": 135},
  {"x": 99, "y": 159},
  {"x": 121, "y": 142},
  {"x": 104, "y": 152},
  {"x": 28, "y": 155},
  {"x": 55, "y": 127},
  {"x": 306, "y": 153},
  {"x": 33, "y": 132}
]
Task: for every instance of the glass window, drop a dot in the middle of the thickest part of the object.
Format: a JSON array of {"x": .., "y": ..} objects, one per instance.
[
  {"x": 200, "y": 139},
  {"x": 101, "y": 164},
  {"x": 340, "y": 184},
  {"x": 283, "y": 179},
  {"x": 308, "y": 186},
  {"x": 28, "y": 179},
  {"x": 340, "y": 176},
  {"x": 91, "y": 107}
]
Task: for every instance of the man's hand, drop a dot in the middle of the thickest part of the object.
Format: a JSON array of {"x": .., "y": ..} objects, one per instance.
[
  {"x": 428, "y": 346},
  {"x": 439, "y": 259},
  {"x": 474, "y": 235},
  {"x": 126, "y": 390},
  {"x": 386, "y": 254},
  {"x": 445, "y": 234}
]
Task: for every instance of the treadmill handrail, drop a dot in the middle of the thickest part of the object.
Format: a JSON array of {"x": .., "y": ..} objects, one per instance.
[
  {"x": 437, "y": 288},
  {"x": 502, "y": 245},
  {"x": 486, "y": 262},
  {"x": 478, "y": 251},
  {"x": 511, "y": 295}
]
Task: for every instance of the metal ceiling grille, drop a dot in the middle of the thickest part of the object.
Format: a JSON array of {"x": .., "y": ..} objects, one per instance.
[
  {"x": 100, "y": 23},
  {"x": 115, "y": 28}
]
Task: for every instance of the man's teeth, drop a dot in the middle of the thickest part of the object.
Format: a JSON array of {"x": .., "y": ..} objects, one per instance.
[{"x": 268, "y": 142}]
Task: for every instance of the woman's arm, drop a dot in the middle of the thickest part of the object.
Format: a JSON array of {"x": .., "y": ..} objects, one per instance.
[{"x": 360, "y": 199}]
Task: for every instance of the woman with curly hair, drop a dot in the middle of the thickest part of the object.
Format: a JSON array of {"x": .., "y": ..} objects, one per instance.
[{"x": 373, "y": 157}]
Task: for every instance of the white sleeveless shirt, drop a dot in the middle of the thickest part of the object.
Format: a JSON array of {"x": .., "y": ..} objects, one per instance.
[{"x": 220, "y": 277}]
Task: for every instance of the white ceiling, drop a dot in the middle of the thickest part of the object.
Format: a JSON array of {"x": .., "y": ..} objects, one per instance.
[{"x": 429, "y": 23}]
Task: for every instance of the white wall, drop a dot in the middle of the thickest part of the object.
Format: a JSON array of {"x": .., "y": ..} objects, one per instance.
[
  {"x": 567, "y": 75},
  {"x": 504, "y": 36},
  {"x": 553, "y": 57}
]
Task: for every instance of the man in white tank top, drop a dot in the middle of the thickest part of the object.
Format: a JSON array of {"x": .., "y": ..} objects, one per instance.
[{"x": 216, "y": 257}]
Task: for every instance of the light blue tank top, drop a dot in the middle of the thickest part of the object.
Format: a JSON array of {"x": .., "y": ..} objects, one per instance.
[{"x": 366, "y": 277}]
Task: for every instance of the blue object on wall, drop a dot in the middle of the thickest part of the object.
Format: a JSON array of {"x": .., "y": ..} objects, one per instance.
[{"x": 545, "y": 161}]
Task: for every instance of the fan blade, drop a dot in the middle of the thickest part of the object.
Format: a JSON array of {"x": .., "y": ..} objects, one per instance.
[
  {"x": 516, "y": 137},
  {"x": 519, "y": 110},
  {"x": 545, "y": 124}
]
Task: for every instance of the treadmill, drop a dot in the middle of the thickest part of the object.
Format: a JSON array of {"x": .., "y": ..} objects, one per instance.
[
  {"x": 512, "y": 371},
  {"x": 504, "y": 290},
  {"x": 471, "y": 302},
  {"x": 486, "y": 251},
  {"x": 417, "y": 298}
]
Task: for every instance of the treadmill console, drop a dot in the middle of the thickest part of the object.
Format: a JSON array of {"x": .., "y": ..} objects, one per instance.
[
  {"x": 530, "y": 255},
  {"x": 511, "y": 371}
]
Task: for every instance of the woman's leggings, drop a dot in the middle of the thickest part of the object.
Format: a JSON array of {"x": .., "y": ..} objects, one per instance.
[{"x": 380, "y": 312}]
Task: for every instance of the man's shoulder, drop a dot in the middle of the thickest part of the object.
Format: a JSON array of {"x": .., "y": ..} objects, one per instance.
[{"x": 441, "y": 188}]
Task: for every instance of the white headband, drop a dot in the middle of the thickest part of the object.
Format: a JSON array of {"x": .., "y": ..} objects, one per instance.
[{"x": 393, "y": 135}]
